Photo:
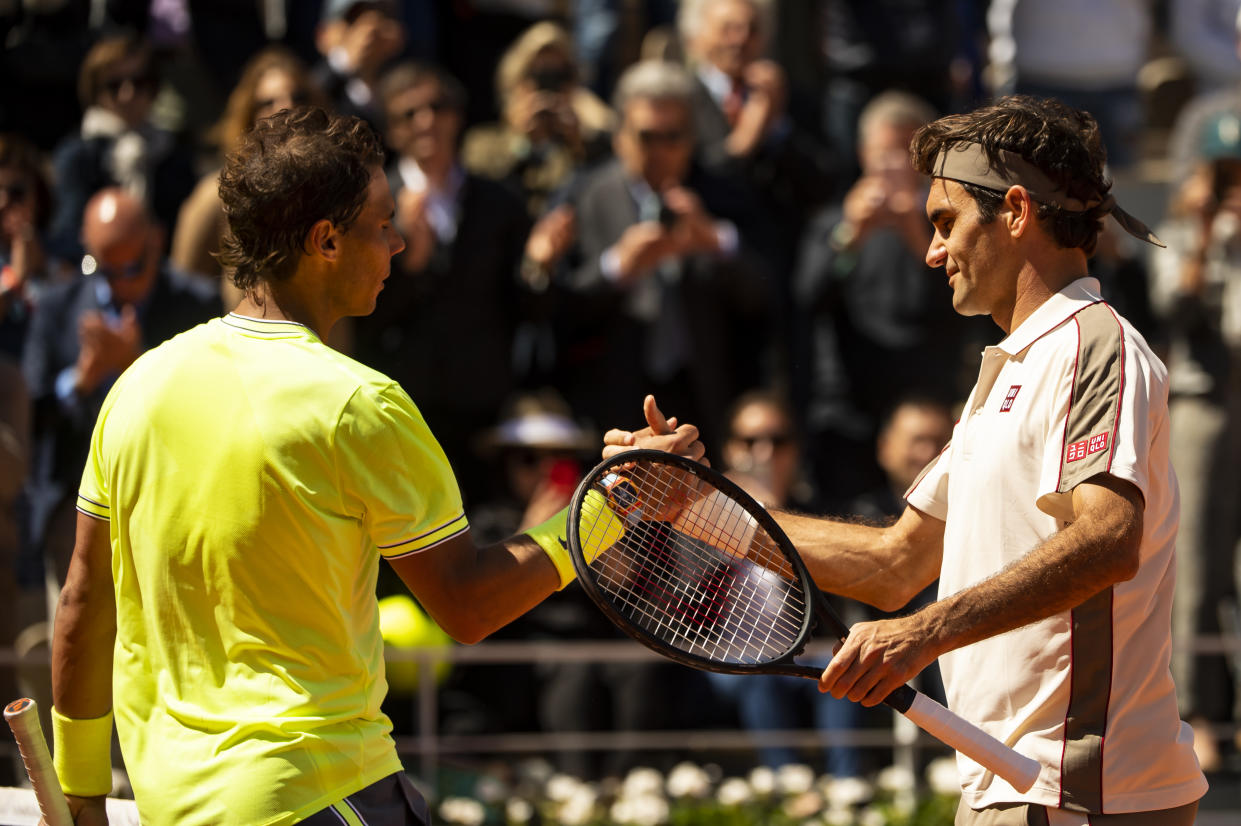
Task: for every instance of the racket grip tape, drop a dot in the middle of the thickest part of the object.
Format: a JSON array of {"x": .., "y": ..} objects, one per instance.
[
  {"x": 1020, "y": 771},
  {"x": 23, "y": 719}
]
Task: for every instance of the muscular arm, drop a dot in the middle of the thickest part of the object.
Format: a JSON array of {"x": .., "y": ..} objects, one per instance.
[
  {"x": 881, "y": 566},
  {"x": 472, "y": 591},
  {"x": 1098, "y": 549},
  {"x": 85, "y": 627}
]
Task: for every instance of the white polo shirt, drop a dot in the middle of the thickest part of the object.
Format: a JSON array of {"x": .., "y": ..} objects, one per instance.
[{"x": 1073, "y": 392}]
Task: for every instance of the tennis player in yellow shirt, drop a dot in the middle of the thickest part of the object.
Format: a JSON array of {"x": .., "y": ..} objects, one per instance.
[{"x": 244, "y": 480}]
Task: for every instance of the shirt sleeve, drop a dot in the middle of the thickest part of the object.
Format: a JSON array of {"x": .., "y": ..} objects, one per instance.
[
  {"x": 929, "y": 492},
  {"x": 396, "y": 475},
  {"x": 1101, "y": 422},
  {"x": 94, "y": 497}
]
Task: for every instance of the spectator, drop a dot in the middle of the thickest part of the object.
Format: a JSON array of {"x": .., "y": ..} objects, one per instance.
[
  {"x": 83, "y": 335},
  {"x": 551, "y": 125},
  {"x": 1196, "y": 289},
  {"x": 25, "y": 206},
  {"x": 358, "y": 39},
  {"x": 761, "y": 454},
  {"x": 274, "y": 79},
  {"x": 742, "y": 130},
  {"x": 454, "y": 290},
  {"x": 660, "y": 293},
  {"x": 1086, "y": 55},
  {"x": 117, "y": 145},
  {"x": 872, "y": 323}
]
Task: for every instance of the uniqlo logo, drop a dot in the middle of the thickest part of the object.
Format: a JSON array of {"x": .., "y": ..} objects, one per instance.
[
  {"x": 1086, "y": 447},
  {"x": 1097, "y": 443},
  {"x": 1007, "y": 404},
  {"x": 1077, "y": 450}
]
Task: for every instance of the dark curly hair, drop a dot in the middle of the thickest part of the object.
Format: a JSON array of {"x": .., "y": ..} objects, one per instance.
[
  {"x": 296, "y": 168},
  {"x": 1061, "y": 141}
]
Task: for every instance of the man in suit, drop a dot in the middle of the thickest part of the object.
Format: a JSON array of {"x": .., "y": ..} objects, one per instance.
[
  {"x": 663, "y": 293},
  {"x": 83, "y": 335},
  {"x": 445, "y": 323},
  {"x": 743, "y": 129}
]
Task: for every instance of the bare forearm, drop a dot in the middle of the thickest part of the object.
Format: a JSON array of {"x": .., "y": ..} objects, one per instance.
[
  {"x": 884, "y": 566},
  {"x": 85, "y": 628}
]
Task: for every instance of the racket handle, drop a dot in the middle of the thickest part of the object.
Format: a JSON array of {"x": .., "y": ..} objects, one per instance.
[
  {"x": 1020, "y": 771},
  {"x": 23, "y": 718}
]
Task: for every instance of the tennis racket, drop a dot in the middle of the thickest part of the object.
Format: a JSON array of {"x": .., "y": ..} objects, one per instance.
[
  {"x": 23, "y": 718},
  {"x": 689, "y": 565}
]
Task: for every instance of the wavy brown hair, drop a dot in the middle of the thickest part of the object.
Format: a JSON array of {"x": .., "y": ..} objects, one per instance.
[
  {"x": 296, "y": 168},
  {"x": 1061, "y": 141},
  {"x": 241, "y": 107}
]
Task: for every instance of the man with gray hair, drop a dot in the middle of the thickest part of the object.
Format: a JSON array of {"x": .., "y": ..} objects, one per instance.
[
  {"x": 872, "y": 328},
  {"x": 659, "y": 272}
]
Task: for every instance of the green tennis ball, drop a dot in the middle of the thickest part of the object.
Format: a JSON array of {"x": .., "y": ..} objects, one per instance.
[{"x": 405, "y": 626}]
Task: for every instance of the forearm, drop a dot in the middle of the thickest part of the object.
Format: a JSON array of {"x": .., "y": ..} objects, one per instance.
[
  {"x": 85, "y": 628},
  {"x": 884, "y": 566}
]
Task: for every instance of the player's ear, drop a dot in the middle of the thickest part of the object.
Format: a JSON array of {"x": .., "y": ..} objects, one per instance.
[
  {"x": 1019, "y": 211},
  {"x": 323, "y": 240}
]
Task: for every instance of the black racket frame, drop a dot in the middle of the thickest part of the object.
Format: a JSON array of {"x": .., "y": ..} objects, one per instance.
[{"x": 900, "y": 699}]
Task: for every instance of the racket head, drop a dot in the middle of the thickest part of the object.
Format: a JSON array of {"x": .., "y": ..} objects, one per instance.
[{"x": 677, "y": 580}]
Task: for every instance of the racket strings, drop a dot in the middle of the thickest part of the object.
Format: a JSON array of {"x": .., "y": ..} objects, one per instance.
[{"x": 696, "y": 571}]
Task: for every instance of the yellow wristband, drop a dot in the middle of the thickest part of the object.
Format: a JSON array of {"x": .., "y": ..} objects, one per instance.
[
  {"x": 598, "y": 531},
  {"x": 82, "y": 754}
]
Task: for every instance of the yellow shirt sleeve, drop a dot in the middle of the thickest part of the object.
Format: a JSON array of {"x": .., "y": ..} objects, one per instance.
[{"x": 395, "y": 475}]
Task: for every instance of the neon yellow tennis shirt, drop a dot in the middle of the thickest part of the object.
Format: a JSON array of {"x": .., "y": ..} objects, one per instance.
[{"x": 253, "y": 477}]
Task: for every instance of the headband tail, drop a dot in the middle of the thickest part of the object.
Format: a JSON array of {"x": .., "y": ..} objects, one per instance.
[{"x": 1135, "y": 227}]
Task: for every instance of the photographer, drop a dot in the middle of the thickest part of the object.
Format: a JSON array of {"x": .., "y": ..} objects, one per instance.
[
  {"x": 660, "y": 290},
  {"x": 1196, "y": 286},
  {"x": 551, "y": 125}
]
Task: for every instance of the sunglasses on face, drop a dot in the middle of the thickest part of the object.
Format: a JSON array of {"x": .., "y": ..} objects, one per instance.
[
  {"x": 437, "y": 106},
  {"x": 664, "y": 137},
  {"x": 776, "y": 439},
  {"x": 144, "y": 83},
  {"x": 124, "y": 272}
]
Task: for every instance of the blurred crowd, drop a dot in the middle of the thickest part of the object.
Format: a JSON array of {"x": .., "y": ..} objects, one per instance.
[{"x": 709, "y": 200}]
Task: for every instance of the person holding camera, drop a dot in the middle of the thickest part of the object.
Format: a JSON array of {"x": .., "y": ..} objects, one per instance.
[
  {"x": 871, "y": 325},
  {"x": 1196, "y": 290},
  {"x": 659, "y": 290},
  {"x": 551, "y": 125}
]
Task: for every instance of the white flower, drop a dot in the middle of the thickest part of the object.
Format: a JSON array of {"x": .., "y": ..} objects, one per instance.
[
  {"x": 688, "y": 780},
  {"x": 763, "y": 780},
  {"x": 837, "y": 817},
  {"x": 463, "y": 810},
  {"x": 518, "y": 810},
  {"x": 641, "y": 781},
  {"x": 579, "y": 808},
  {"x": 734, "y": 791},
  {"x": 871, "y": 816},
  {"x": 895, "y": 779},
  {"x": 795, "y": 778},
  {"x": 943, "y": 777},
  {"x": 560, "y": 787},
  {"x": 640, "y": 810},
  {"x": 847, "y": 791}
]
